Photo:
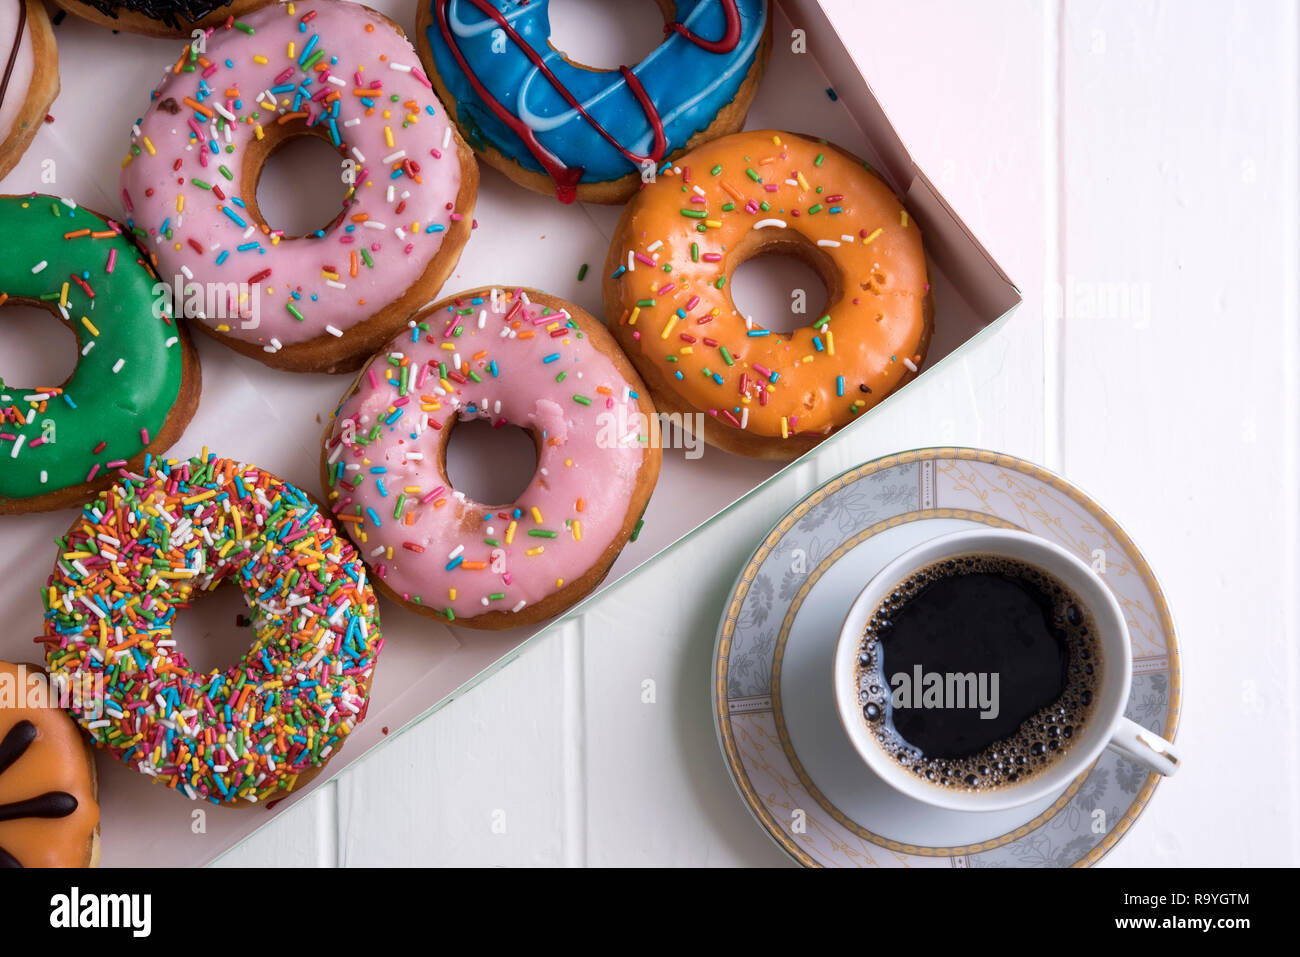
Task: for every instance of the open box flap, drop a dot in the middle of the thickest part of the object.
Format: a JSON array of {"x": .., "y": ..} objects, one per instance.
[{"x": 949, "y": 241}]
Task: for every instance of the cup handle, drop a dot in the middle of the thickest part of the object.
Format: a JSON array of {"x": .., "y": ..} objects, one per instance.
[{"x": 1145, "y": 747}]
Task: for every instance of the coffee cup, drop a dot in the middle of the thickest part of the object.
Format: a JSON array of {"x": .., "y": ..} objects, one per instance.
[{"x": 1103, "y": 726}]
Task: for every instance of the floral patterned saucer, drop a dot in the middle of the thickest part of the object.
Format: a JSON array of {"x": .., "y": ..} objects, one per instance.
[{"x": 773, "y": 705}]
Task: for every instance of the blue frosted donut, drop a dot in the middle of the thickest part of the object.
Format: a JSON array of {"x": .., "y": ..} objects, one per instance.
[{"x": 590, "y": 134}]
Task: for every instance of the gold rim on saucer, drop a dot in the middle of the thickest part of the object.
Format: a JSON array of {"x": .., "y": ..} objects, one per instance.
[{"x": 957, "y": 483}]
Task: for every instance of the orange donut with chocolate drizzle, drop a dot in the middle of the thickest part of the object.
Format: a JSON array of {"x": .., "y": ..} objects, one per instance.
[
  {"x": 49, "y": 812},
  {"x": 668, "y": 300}
]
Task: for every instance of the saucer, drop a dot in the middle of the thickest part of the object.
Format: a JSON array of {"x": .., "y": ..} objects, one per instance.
[{"x": 775, "y": 713}]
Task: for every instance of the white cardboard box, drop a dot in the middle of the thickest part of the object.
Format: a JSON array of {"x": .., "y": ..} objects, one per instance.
[{"x": 273, "y": 418}]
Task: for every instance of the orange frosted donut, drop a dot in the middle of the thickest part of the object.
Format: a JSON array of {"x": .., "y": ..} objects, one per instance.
[
  {"x": 668, "y": 298},
  {"x": 49, "y": 809}
]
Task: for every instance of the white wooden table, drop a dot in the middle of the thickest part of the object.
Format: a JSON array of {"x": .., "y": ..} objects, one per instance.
[{"x": 1133, "y": 166}]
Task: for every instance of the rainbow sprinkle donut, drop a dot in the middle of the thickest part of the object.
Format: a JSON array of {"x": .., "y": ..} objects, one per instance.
[
  {"x": 516, "y": 357},
  {"x": 337, "y": 71},
  {"x": 144, "y": 550}
]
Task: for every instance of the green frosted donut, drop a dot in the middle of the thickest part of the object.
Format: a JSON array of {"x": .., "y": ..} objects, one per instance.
[{"x": 128, "y": 394}]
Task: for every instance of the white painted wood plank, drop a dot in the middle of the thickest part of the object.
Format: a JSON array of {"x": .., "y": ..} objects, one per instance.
[
  {"x": 657, "y": 792},
  {"x": 303, "y": 836},
  {"x": 478, "y": 783},
  {"x": 1179, "y": 179}
]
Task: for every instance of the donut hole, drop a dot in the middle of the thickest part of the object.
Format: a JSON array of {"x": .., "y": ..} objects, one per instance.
[
  {"x": 780, "y": 291},
  {"x": 36, "y": 347},
  {"x": 600, "y": 35},
  {"x": 213, "y": 633},
  {"x": 300, "y": 187},
  {"x": 492, "y": 466}
]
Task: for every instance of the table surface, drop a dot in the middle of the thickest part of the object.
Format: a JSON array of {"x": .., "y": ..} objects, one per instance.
[{"x": 1132, "y": 165}]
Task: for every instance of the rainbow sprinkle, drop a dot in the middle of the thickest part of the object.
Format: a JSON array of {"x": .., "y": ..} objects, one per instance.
[{"x": 140, "y": 553}]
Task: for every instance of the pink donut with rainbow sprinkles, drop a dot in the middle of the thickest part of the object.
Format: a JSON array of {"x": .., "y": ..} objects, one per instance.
[
  {"x": 510, "y": 357},
  {"x": 331, "y": 69}
]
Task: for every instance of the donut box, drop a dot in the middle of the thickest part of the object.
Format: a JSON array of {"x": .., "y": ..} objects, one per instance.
[{"x": 274, "y": 418}]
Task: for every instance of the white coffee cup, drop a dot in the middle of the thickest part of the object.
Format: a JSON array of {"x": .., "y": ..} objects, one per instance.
[{"x": 1106, "y": 727}]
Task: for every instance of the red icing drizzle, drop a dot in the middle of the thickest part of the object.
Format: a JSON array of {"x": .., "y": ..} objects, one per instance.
[
  {"x": 567, "y": 178},
  {"x": 730, "y": 37}
]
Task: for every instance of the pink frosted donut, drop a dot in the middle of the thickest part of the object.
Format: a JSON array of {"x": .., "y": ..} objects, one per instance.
[
  {"x": 521, "y": 358},
  {"x": 326, "y": 68}
]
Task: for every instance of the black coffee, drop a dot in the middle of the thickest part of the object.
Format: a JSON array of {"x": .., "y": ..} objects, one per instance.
[{"x": 978, "y": 672}]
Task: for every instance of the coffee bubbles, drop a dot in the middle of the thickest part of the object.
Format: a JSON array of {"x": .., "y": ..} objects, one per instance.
[{"x": 978, "y": 672}]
